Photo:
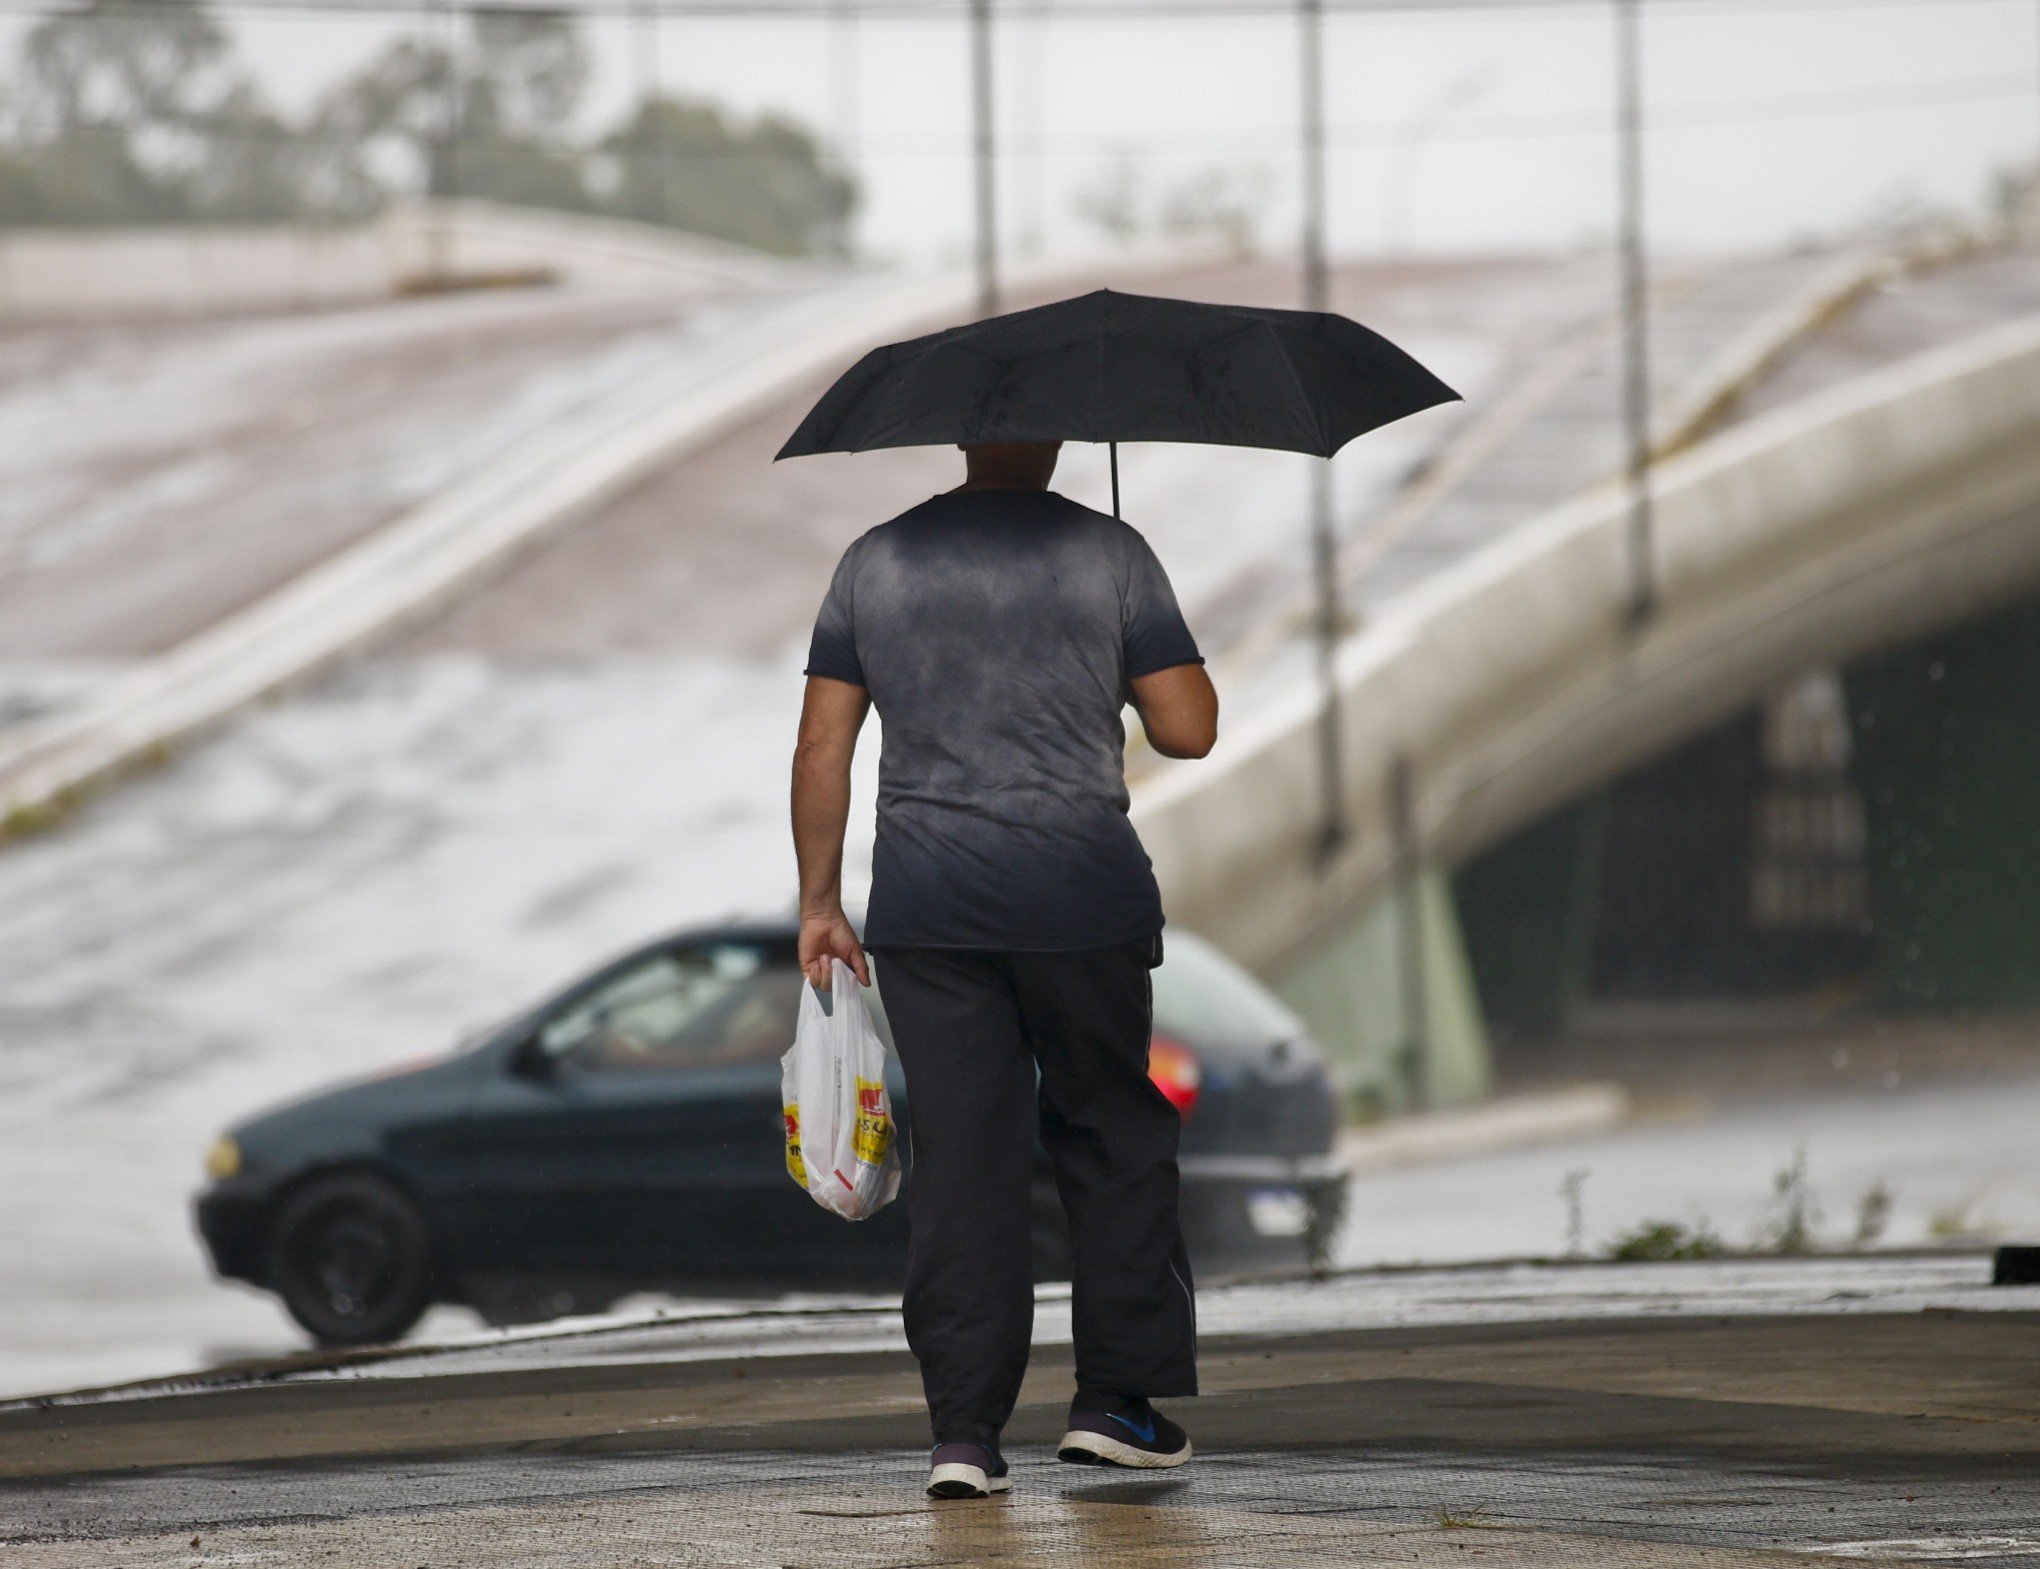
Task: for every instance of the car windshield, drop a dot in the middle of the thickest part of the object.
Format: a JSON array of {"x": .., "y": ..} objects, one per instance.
[{"x": 1201, "y": 995}]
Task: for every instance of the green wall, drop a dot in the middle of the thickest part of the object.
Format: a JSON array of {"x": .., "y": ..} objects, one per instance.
[
  {"x": 1351, "y": 988},
  {"x": 1527, "y": 910},
  {"x": 1946, "y": 741}
]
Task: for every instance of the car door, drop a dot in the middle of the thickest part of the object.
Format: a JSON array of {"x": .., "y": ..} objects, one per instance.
[{"x": 639, "y": 1128}]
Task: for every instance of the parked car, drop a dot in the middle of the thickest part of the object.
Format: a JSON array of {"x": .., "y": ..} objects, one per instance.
[{"x": 625, "y": 1135}]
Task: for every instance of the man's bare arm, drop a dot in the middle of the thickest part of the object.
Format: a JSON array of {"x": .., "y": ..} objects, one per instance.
[
  {"x": 1178, "y": 708},
  {"x": 830, "y": 717}
]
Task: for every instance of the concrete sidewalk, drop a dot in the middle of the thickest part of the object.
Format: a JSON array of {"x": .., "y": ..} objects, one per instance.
[{"x": 1663, "y": 1440}]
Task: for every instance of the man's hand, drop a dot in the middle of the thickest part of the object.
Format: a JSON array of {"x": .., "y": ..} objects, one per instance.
[{"x": 828, "y": 936}]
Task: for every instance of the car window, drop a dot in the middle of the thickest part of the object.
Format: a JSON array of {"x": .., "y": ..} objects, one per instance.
[
  {"x": 709, "y": 1006},
  {"x": 1200, "y": 994}
]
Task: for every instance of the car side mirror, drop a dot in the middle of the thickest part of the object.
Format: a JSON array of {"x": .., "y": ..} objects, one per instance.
[{"x": 530, "y": 1060}]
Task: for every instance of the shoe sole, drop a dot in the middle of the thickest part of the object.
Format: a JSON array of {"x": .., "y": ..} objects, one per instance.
[
  {"x": 1079, "y": 1447},
  {"x": 965, "y": 1481}
]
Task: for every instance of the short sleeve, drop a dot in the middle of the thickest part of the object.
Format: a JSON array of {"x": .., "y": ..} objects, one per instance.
[
  {"x": 1155, "y": 635},
  {"x": 833, "y": 651}
]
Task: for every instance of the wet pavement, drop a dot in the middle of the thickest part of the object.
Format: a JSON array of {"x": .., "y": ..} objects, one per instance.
[
  {"x": 1890, "y": 1432},
  {"x": 1472, "y": 1295},
  {"x": 1330, "y": 1505}
]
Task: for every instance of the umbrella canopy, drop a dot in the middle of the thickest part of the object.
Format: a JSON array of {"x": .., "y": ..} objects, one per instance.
[{"x": 1114, "y": 367}]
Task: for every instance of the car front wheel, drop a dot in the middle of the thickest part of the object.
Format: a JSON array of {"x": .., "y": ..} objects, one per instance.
[{"x": 352, "y": 1259}]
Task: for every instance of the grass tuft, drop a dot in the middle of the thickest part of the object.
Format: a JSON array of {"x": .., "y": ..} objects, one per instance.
[
  {"x": 1664, "y": 1241},
  {"x": 1466, "y": 1520},
  {"x": 26, "y": 819}
]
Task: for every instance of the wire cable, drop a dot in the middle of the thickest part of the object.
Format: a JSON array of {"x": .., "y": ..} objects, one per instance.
[{"x": 954, "y": 11}]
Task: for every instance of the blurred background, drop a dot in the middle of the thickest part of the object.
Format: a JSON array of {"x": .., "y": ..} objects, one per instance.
[{"x": 1627, "y": 809}]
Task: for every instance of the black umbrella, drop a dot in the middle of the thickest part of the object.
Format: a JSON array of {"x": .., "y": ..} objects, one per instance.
[{"x": 1117, "y": 367}]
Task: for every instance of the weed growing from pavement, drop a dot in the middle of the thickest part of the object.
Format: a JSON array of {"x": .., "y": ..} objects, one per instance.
[
  {"x": 1664, "y": 1241},
  {"x": 1572, "y": 1189},
  {"x": 1466, "y": 1520},
  {"x": 1873, "y": 1213},
  {"x": 1792, "y": 1232},
  {"x": 24, "y": 819},
  {"x": 1956, "y": 1223}
]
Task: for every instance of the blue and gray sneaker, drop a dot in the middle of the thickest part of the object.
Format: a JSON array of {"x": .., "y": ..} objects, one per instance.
[
  {"x": 967, "y": 1471},
  {"x": 1122, "y": 1430}
]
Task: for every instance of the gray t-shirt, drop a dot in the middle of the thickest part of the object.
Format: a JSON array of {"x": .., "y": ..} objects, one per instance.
[{"x": 996, "y": 631}]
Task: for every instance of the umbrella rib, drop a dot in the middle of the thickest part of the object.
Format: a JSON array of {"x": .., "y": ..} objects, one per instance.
[
  {"x": 1097, "y": 410},
  {"x": 1296, "y": 382}
]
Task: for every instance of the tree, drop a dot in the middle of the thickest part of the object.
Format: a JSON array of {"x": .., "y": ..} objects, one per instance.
[
  {"x": 136, "y": 111},
  {"x": 684, "y": 164},
  {"x": 487, "y": 115},
  {"x": 124, "y": 113},
  {"x": 111, "y": 64},
  {"x": 528, "y": 76}
]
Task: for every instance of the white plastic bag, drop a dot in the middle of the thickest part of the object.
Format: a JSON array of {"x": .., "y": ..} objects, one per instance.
[{"x": 841, "y": 1144}]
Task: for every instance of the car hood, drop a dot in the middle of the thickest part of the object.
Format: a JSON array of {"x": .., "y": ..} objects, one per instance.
[{"x": 358, "y": 1117}]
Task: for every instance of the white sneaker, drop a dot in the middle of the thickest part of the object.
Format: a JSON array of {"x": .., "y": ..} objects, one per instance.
[{"x": 967, "y": 1471}]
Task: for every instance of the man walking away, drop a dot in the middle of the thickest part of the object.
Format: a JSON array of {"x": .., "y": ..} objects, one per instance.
[{"x": 1000, "y": 629}]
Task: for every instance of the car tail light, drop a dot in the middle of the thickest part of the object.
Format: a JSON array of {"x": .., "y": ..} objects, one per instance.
[{"x": 1174, "y": 1069}]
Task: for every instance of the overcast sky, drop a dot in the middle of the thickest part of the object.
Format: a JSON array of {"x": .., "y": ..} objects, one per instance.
[{"x": 1771, "y": 119}]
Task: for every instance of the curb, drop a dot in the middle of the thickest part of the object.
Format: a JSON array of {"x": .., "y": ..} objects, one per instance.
[{"x": 1514, "y": 1122}]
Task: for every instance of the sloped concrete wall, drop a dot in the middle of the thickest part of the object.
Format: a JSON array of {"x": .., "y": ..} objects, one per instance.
[
  {"x": 71, "y": 273},
  {"x": 431, "y": 244},
  {"x": 204, "y": 270}
]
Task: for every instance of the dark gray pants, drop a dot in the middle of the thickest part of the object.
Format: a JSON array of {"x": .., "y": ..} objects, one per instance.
[{"x": 973, "y": 1030}]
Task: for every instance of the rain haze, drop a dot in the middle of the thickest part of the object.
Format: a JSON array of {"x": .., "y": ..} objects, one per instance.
[
  {"x": 1601, "y": 997},
  {"x": 1453, "y": 128}
]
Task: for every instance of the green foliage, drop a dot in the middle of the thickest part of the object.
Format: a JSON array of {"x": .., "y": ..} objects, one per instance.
[
  {"x": 685, "y": 164},
  {"x": 1873, "y": 1213},
  {"x": 489, "y": 119},
  {"x": 1664, "y": 1241},
  {"x": 23, "y": 820},
  {"x": 124, "y": 112},
  {"x": 83, "y": 178},
  {"x": 1792, "y": 1231},
  {"x": 1476, "y": 1519},
  {"x": 112, "y": 63}
]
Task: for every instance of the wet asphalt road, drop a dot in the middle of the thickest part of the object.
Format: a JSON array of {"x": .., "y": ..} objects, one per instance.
[
  {"x": 1894, "y": 1437},
  {"x": 1722, "y": 1412},
  {"x": 1744, "y": 1510}
]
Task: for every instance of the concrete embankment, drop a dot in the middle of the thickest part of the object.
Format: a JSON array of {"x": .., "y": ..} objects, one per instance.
[
  {"x": 414, "y": 248},
  {"x": 418, "y": 562}
]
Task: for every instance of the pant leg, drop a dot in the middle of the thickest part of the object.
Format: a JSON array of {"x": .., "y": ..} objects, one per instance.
[
  {"x": 1112, "y": 1136},
  {"x": 971, "y": 1127}
]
